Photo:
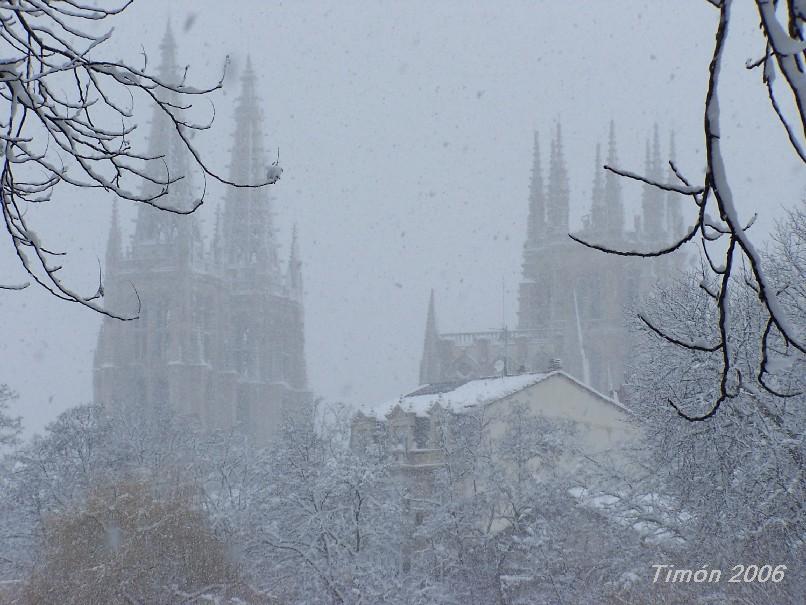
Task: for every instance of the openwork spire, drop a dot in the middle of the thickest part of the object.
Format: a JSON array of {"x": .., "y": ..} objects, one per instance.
[
  {"x": 598, "y": 214},
  {"x": 114, "y": 244},
  {"x": 612, "y": 190},
  {"x": 537, "y": 198},
  {"x": 652, "y": 207},
  {"x": 674, "y": 201},
  {"x": 158, "y": 233},
  {"x": 168, "y": 71},
  {"x": 248, "y": 224},
  {"x": 558, "y": 190}
]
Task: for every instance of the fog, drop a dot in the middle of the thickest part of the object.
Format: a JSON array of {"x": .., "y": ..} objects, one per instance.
[
  {"x": 405, "y": 133},
  {"x": 373, "y": 367}
]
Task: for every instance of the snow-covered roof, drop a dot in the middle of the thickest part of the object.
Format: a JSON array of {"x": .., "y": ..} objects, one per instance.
[
  {"x": 456, "y": 394},
  {"x": 460, "y": 394}
]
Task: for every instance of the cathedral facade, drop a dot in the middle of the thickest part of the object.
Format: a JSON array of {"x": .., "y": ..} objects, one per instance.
[
  {"x": 573, "y": 301},
  {"x": 219, "y": 333}
]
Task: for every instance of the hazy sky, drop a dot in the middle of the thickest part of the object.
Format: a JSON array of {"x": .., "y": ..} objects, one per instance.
[{"x": 405, "y": 131}]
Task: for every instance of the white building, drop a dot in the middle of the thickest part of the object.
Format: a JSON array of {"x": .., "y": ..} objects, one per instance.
[
  {"x": 483, "y": 439},
  {"x": 410, "y": 426}
]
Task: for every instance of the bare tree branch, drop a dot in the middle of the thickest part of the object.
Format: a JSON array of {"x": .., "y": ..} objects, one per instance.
[
  {"x": 63, "y": 122},
  {"x": 724, "y": 237}
]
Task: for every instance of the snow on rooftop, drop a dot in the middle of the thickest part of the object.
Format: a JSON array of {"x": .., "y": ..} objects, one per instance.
[
  {"x": 456, "y": 395},
  {"x": 460, "y": 394}
]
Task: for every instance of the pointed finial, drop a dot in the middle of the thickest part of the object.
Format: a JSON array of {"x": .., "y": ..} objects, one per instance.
[
  {"x": 113, "y": 244},
  {"x": 597, "y": 174},
  {"x": 537, "y": 204},
  {"x": 597, "y": 217},
  {"x": 248, "y": 94},
  {"x": 536, "y": 151},
  {"x": 559, "y": 136},
  {"x": 248, "y": 75},
  {"x": 168, "y": 67},
  {"x": 614, "y": 207},
  {"x": 168, "y": 40},
  {"x": 656, "y": 159},
  {"x": 672, "y": 147},
  {"x": 611, "y": 144}
]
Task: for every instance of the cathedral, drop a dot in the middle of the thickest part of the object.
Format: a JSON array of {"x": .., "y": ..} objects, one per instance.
[
  {"x": 573, "y": 301},
  {"x": 219, "y": 333}
]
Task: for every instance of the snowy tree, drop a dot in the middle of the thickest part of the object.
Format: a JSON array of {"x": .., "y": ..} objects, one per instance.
[
  {"x": 68, "y": 120},
  {"x": 88, "y": 459},
  {"x": 326, "y": 524},
  {"x": 503, "y": 521},
  {"x": 722, "y": 233},
  {"x": 127, "y": 544},
  {"x": 10, "y": 426},
  {"x": 81, "y": 449},
  {"x": 739, "y": 480}
]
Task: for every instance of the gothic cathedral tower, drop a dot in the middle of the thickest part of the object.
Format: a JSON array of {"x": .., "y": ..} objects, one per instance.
[
  {"x": 572, "y": 300},
  {"x": 219, "y": 335}
]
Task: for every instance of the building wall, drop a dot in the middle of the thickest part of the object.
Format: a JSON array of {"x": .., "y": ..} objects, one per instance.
[
  {"x": 186, "y": 352},
  {"x": 600, "y": 432},
  {"x": 602, "y": 426}
]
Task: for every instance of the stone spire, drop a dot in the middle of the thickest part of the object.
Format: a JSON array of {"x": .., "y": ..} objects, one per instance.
[
  {"x": 674, "y": 201},
  {"x": 657, "y": 162},
  {"x": 614, "y": 206},
  {"x": 537, "y": 199},
  {"x": 430, "y": 363},
  {"x": 558, "y": 189},
  {"x": 598, "y": 214},
  {"x": 221, "y": 340},
  {"x": 168, "y": 69},
  {"x": 652, "y": 210},
  {"x": 114, "y": 246},
  {"x": 247, "y": 221},
  {"x": 161, "y": 234}
]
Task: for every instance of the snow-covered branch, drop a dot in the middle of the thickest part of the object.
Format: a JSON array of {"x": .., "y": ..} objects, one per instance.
[
  {"x": 723, "y": 235},
  {"x": 67, "y": 119}
]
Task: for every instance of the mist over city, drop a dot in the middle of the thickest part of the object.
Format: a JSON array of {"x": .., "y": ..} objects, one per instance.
[{"x": 358, "y": 303}]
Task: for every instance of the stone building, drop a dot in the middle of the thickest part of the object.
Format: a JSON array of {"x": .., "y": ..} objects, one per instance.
[
  {"x": 572, "y": 300},
  {"x": 219, "y": 334}
]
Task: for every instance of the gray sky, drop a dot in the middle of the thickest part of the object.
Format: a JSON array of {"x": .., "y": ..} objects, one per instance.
[{"x": 405, "y": 131}]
